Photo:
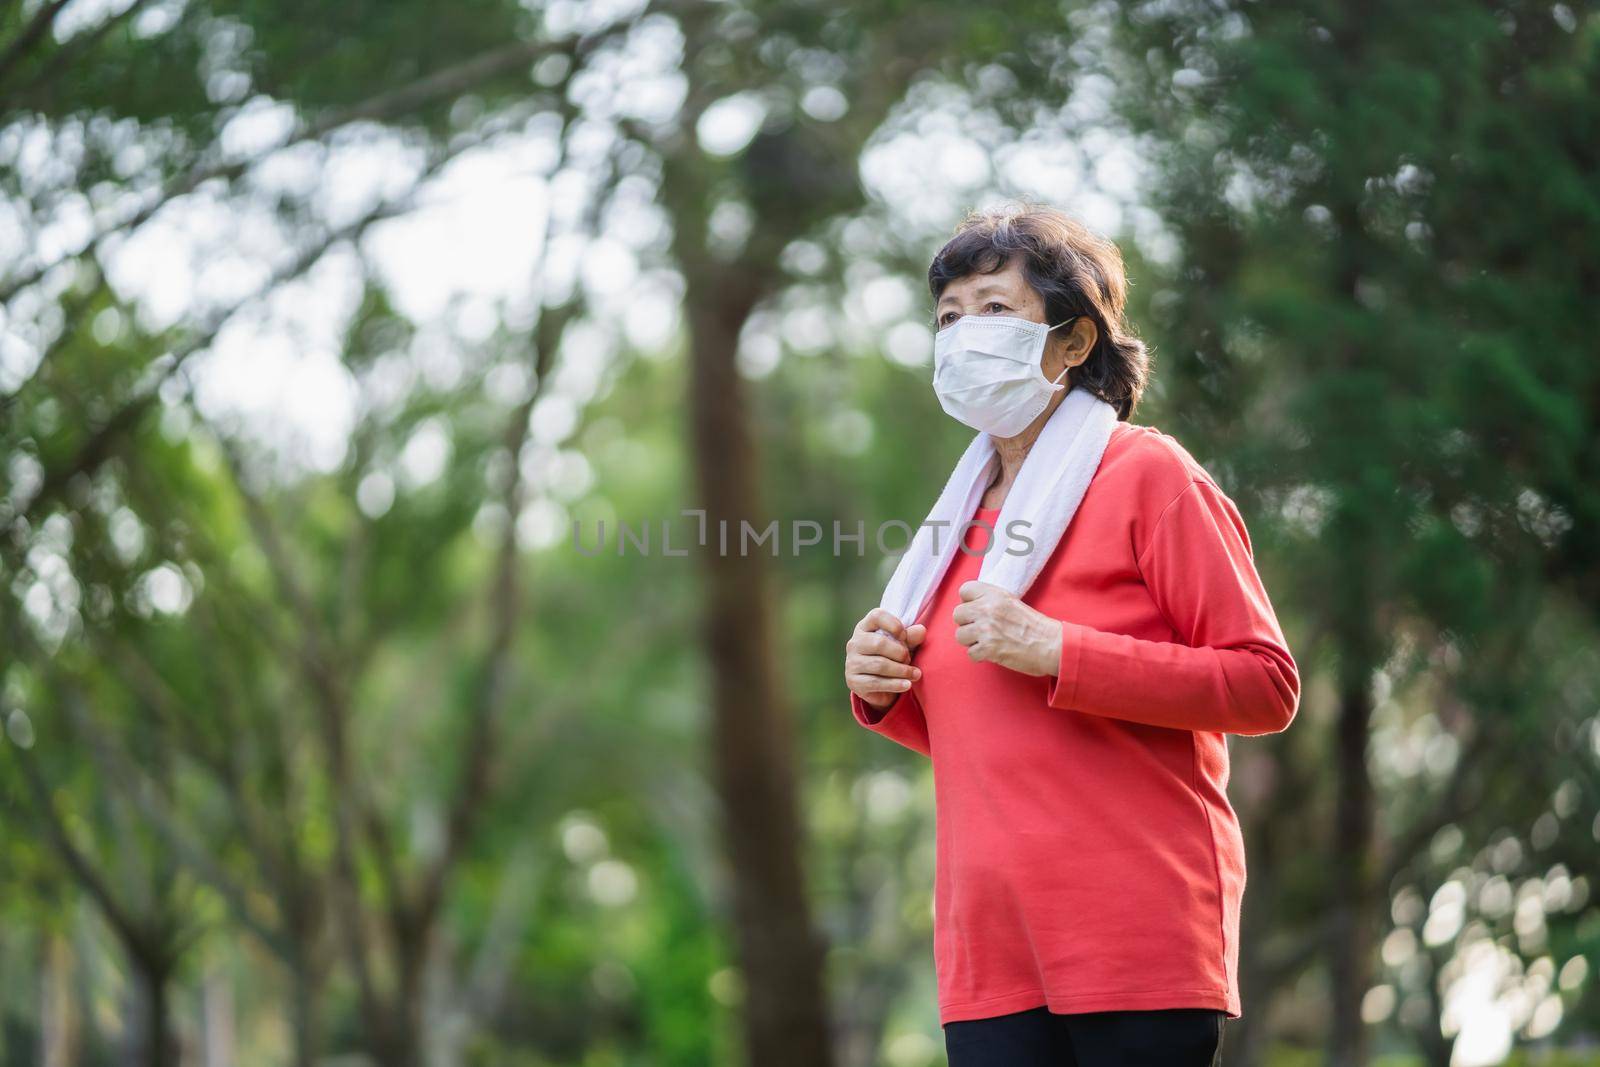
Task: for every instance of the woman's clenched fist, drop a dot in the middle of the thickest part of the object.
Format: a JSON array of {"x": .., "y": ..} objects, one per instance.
[
  {"x": 995, "y": 626},
  {"x": 877, "y": 658}
]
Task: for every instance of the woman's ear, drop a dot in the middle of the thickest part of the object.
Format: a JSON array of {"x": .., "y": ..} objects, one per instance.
[{"x": 1078, "y": 341}]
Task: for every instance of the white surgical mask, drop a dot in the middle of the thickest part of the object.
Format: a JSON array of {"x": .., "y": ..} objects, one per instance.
[{"x": 986, "y": 371}]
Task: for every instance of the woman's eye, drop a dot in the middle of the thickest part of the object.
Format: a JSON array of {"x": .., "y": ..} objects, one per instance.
[{"x": 996, "y": 307}]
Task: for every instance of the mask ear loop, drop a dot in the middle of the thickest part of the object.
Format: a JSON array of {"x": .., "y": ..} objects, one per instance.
[{"x": 1067, "y": 368}]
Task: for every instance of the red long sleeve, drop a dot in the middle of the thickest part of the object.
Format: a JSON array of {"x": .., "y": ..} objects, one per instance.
[
  {"x": 902, "y": 721},
  {"x": 1232, "y": 671}
]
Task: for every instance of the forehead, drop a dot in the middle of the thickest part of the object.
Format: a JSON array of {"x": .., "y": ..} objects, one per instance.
[{"x": 1007, "y": 282}]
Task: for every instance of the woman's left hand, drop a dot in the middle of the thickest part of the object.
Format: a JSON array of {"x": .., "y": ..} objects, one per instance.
[{"x": 995, "y": 626}]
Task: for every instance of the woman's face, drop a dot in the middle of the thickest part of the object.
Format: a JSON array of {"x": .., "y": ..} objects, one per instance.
[{"x": 1007, "y": 292}]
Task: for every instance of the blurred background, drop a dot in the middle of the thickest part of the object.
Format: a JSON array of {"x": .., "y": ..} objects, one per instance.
[{"x": 323, "y": 324}]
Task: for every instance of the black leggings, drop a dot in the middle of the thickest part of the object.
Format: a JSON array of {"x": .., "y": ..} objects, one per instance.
[{"x": 1171, "y": 1037}]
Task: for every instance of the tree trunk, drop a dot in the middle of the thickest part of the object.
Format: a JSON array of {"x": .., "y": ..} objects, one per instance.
[
  {"x": 1350, "y": 953},
  {"x": 58, "y": 1029},
  {"x": 785, "y": 1018},
  {"x": 219, "y": 1048},
  {"x": 303, "y": 1015},
  {"x": 397, "y": 1041},
  {"x": 148, "y": 1035}
]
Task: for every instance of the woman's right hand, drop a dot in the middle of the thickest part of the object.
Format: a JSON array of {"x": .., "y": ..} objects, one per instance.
[{"x": 877, "y": 658}]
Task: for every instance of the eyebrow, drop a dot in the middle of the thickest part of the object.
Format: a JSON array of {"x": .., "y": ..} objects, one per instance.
[{"x": 983, "y": 290}]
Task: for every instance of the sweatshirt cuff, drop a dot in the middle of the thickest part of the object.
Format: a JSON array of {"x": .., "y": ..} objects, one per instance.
[
  {"x": 869, "y": 716},
  {"x": 1063, "y": 691}
]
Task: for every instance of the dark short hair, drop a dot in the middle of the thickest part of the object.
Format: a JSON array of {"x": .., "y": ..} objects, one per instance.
[{"x": 1077, "y": 271}]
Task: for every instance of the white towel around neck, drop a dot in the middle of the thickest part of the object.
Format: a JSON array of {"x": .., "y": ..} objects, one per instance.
[{"x": 1051, "y": 483}]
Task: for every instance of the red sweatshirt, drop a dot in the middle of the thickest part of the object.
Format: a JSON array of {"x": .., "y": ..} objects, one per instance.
[{"x": 1087, "y": 856}]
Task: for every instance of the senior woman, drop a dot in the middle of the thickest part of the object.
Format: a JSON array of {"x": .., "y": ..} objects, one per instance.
[{"x": 1089, "y": 867}]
